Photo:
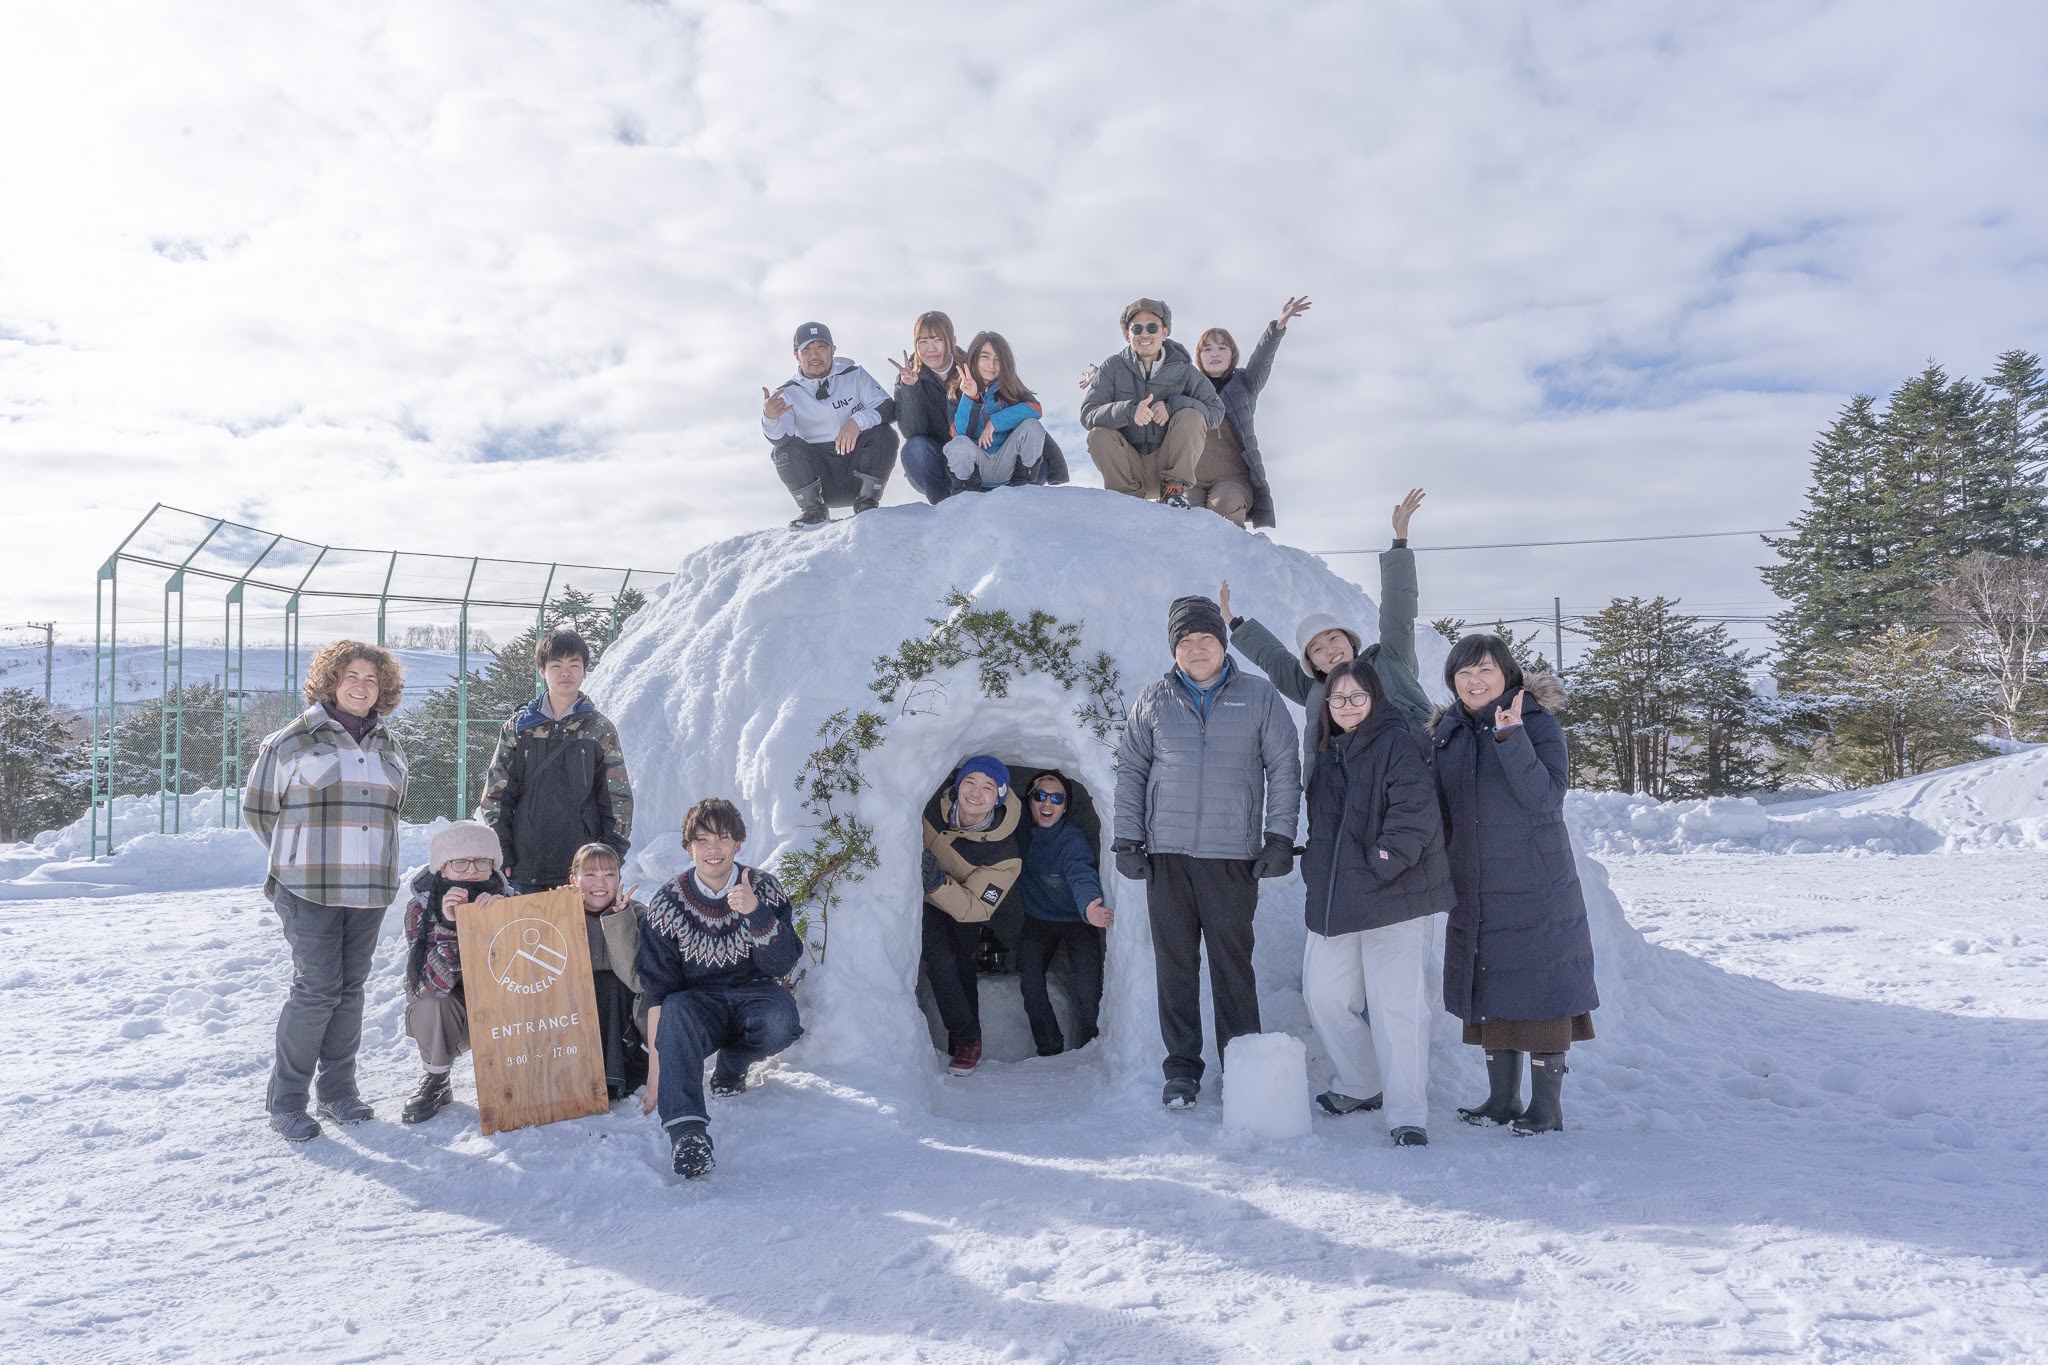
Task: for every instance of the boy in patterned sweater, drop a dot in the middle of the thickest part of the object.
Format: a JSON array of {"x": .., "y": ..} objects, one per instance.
[{"x": 714, "y": 944}]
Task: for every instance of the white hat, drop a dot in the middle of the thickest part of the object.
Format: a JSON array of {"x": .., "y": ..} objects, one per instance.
[
  {"x": 1313, "y": 626},
  {"x": 464, "y": 839}
]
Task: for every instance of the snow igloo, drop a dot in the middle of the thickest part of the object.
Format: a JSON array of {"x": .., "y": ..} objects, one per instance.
[{"x": 720, "y": 686}]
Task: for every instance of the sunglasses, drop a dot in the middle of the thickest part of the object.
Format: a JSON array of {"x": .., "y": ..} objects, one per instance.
[
  {"x": 1049, "y": 798},
  {"x": 1349, "y": 700},
  {"x": 1146, "y": 327}
]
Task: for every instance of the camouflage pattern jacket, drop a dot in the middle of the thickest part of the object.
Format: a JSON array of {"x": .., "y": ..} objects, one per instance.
[{"x": 553, "y": 786}]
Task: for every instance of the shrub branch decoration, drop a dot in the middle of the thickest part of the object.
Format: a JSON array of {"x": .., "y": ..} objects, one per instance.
[{"x": 1001, "y": 647}]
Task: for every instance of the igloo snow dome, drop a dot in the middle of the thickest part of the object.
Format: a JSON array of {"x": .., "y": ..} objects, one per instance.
[{"x": 720, "y": 686}]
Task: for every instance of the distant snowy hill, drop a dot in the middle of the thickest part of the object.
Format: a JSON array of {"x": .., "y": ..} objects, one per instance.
[{"x": 139, "y": 668}]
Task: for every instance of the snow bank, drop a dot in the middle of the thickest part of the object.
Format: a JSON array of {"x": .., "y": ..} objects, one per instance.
[
  {"x": 1268, "y": 1091},
  {"x": 719, "y": 689},
  {"x": 1999, "y": 802}
]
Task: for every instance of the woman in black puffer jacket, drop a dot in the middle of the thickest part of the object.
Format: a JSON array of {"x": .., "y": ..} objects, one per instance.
[
  {"x": 1376, "y": 875},
  {"x": 1518, "y": 956}
]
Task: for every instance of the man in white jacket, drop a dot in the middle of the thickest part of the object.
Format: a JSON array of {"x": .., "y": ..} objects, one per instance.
[{"x": 829, "y": 428}]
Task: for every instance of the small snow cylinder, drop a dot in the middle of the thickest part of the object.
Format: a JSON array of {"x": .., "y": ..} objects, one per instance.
[{"x": 1265, "y": 1085}]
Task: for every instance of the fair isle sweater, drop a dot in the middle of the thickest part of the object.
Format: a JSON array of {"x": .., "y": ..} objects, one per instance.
[{"x": 690, "y": 941}]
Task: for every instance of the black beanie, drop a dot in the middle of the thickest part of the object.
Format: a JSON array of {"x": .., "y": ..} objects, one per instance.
[{"x": 1192, "y": 616}]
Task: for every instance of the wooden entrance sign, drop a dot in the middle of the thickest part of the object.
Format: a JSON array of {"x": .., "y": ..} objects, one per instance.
[{"x": 532, "y": 1010}]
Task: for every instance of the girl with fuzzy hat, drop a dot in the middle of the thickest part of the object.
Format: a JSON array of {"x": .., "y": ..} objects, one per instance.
[{"x": 462, "y": 869}]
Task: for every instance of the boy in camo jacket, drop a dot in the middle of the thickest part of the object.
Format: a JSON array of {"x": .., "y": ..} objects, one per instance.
[{"x": 558, "y": 778}]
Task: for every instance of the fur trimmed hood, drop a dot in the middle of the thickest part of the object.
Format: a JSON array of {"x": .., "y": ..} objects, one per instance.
[{"x": 1545, "y": 689}]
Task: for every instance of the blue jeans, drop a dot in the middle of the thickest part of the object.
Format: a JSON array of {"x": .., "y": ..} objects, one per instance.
[
  {"x": 742, "y": 1024},
  {"x": 924, "y": 464}
]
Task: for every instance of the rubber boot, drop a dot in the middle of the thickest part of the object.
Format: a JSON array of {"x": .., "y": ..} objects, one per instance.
[
  {"x": 1546, "y": 1086},
  {"x": 870, "y": 495},
  {"x": 1504, "y": 1102},
  {"x": 810, "y": 502}
]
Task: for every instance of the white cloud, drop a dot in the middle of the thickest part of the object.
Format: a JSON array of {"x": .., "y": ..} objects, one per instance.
[{"x": 1597, "y": 270}]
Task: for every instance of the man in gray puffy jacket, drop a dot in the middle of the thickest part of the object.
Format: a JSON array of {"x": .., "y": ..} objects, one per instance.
[
  {"x": 1149, "y": 410},
  {"x": 1208, "y": 797}
]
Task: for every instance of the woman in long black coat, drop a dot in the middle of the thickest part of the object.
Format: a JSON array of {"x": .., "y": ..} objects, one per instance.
[{"x": 1518, "y": 957}]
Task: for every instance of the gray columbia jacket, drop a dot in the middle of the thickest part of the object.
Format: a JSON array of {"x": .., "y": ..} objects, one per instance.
[
  {"x": 1392, "y": 657},
  {"x": 1208, "y": 786},
  {"x": 1120, "y": 385}
]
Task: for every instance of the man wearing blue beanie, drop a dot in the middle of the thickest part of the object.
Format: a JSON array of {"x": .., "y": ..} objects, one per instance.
[{"x": 971, "y": 858}]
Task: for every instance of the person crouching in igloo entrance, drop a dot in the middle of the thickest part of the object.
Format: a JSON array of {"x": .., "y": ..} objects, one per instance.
[
  {"x": 1375, "y": 874},
  {"x": 1063, "y": 908},
  {"x": 1208, "y": 795},
  {"x": 462, "y": 869},
  {"x": 971, "y": 858},
  {"x": 714, "y": 945}
]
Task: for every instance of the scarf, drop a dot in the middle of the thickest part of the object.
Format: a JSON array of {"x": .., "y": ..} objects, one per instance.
[{"x": 358, "y": 727}]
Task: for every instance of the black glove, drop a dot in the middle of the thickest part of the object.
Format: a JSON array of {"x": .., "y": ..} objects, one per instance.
[
  {"x": 1131, "y": 860},
  {"x": 1277, "y": 859},
  {"x": 934, "y": 875}
]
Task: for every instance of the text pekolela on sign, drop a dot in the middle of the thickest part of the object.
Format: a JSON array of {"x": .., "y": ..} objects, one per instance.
[{"x": 532, "y": 1010}]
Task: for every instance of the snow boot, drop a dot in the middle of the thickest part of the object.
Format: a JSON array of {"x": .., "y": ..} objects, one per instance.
[
  {"x": 966, "y": 1057},
  {"x": 1336, "y": 1102},
  {"x": 1408, "y": 1135},
  {"x": 1181, "y": 1093},
  {"x": 870, "y": 495},
  {"x": 1504, "y": 1103},
  {"x": 725, "y": 1082},
  {"x": 1174, "y": 495},
  {"x": 1546, "y": 1087},
  {"x": 690, "y": 1149},
  {"x": 430, "y": 1099},
  {"x": 348, "y": 1111},
  {"x": 295, "y": 1125},
  {"x": 810, "y": 502}
]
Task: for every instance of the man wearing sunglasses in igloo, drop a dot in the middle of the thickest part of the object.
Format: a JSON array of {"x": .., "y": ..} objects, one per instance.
[{"x": 1149, "y": 411}]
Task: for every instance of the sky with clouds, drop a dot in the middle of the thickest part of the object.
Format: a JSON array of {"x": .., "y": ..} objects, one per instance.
[{"x": 508, "y": 277}]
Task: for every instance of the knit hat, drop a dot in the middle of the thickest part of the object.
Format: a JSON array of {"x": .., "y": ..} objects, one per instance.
[
  {"x": 1312, "y": 626},
  {"x": 1194, "y": 616},
  {"x": 810, "y": 332},
  {"x": 988, "y": 766},
  {"x": 1137, "y": 306},
  {"x": 464, "y": 839}
]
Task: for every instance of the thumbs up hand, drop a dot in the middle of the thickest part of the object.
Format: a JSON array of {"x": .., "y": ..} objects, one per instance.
[{"x": 741, "y": 899}]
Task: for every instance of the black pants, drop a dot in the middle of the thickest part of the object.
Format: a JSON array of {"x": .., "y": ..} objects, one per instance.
[
  {"x": 1195, "y": 902},
  {"x": 1039, "y": 940},
  {"x": 625, "y": 1055},
  {"x": 949, "y": 951},
  {"x": 799, "y": 464}
]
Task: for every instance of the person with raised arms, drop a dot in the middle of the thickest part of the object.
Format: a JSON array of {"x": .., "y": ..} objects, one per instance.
[
  {"x": 715, "y": 943},
  {"x": 1230, "y": 476},
  {"x": 1322, "y": 642},
  {"x": 828, "y": 431}
]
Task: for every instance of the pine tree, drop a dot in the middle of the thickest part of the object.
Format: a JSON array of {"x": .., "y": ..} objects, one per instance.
[
  {"x": 45, "y": 778},
  {"x": 1833, "y": 548},
  {"x": 2016, "y": 433},
  {"x": 1899, "y": 709}
]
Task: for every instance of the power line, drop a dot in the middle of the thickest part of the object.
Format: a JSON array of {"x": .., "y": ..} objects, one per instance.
[{"x": 1547, "y": 544}]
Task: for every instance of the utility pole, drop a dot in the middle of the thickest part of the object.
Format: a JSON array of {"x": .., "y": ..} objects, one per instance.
[
  {"x": 1557, "y": 631},
  {"x": 49, "y": 630}
]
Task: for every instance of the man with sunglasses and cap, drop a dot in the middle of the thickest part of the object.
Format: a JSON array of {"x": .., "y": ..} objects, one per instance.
[
  {"x": 1062, "y": 898},
  {"x": 829, "y": 429},
  {"x": 1149, "y": 411}
]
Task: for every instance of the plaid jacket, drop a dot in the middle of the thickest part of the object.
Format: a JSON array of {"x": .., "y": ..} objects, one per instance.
[{"x": 328, "y": 811}]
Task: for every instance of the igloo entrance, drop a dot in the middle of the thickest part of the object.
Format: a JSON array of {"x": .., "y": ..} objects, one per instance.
[{"x": 1006, "y": 1030}]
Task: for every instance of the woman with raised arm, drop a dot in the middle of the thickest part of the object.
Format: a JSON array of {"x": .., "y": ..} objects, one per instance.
[{"x": 1230, "y": 475}]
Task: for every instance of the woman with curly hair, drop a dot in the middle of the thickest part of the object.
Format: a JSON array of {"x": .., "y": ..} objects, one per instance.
[{"x": 323, "y": 797}]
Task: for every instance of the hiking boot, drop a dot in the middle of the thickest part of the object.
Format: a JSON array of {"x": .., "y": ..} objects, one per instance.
[
  {"x": 1181, "y": 1092},
  {"x": 1174, "y": 495},
  {"x": 810, "y": 502},
  {"x": 430, "y": 1099},
  {"x": 1546, "y": 1088},
  {"x": 1504, "y": 1098},
  {"x": 870, "y": 495},
  {"x": 690, "y": 1149},
  {"x": 1408, "y": 1135},
  {"x": 966, "y": 1057},
  {"x": 295, "y": 1125},
  {"x": 1338, "y": 1103},
  {"x": 347, "y": 1111},
  {"x": 726, "y": 1082}
]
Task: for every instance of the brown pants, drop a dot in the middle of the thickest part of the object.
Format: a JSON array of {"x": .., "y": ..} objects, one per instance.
[
  {"x": 440, "y": 1025},
  {"x": 1227, "y": 498},
  {"x": 1126, "y": 470}
]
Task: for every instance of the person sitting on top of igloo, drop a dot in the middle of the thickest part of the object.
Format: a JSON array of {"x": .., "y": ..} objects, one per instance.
[
  {"x": 972, "y": 856},
  {"x": 462, "y": 869},
  {"x": 714, "y": 945},
  {"x": 1322, "y": 642},
  {"x": 1148, "y": 410},
  {"x": 1208, "y": 796},
  {"x": 829, "y": 430},
  {"x": 1063, "y": 908}
]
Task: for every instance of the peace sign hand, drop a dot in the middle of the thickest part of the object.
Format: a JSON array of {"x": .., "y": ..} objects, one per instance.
[
  {"x": 741, "y": 899},
  {"x": 906, "y": 369},
  {"x": 1509, "y": 717}
]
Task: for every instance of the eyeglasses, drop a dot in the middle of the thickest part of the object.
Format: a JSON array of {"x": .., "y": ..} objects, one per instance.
[
  {"x": 1146, "y": 327},
  {"x": 470, "y": 864},
  {"x": 1349, "y": 700},
  {"x": 1049, "y": 798}
]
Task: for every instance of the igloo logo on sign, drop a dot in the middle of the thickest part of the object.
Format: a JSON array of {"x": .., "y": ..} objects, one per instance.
[{"x": 527, "y": 956}]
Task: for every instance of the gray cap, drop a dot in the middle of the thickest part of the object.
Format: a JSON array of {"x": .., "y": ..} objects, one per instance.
[
  {"x": 810, "y": 332},
  {"x": 1137, "y": 306}
]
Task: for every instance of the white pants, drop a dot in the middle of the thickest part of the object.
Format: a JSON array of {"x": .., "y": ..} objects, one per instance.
[{"x": 1390, "y": 969}]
